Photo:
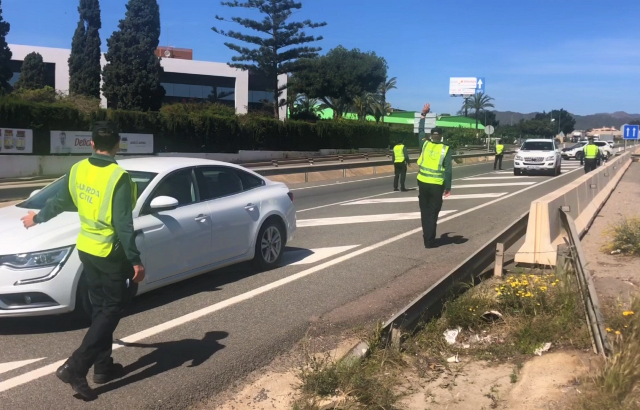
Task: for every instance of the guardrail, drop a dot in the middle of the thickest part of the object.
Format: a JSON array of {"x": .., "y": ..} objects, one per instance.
[{"x": 430, "y": 303}]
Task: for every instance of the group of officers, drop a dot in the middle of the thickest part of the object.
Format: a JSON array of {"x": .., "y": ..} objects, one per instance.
[{"x": 434, "y": 173}]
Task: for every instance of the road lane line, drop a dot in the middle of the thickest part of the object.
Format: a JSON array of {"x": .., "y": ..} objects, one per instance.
[
  {"x": 488, "y": 178},
  {"x": 373, "y": 196},
  {"x": 373, "y": 179},
  {"x": 415, "y": 199},
  {"x": 494, "y": 185},
  {"x": 358, "y": 219},
  {"x": 152, "y": 331},
  {"x": 7, "y": 367}
]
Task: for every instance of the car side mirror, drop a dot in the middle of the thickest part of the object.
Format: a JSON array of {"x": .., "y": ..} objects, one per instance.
[
  {"x": 34, "y": 192},
  {"x": 163, "y": 203}
]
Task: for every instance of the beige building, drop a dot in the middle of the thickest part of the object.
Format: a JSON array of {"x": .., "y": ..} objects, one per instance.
[{"x": 597, "y": 132}]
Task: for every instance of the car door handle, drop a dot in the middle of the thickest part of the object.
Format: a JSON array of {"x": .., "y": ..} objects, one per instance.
[
  {"x": 249, "y": 207},
  {"x": 202, "y": 217}
]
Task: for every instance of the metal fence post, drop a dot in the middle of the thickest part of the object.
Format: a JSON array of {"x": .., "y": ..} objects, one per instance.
[{"x": 498, "y": 268}]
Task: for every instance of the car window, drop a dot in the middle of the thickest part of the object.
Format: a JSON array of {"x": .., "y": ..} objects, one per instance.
[
  {"x": 249, "y": 181},
  {"x": 218, "y": 182},
  {"x": 538, "y": 146},
  {"x": 39, "y": 200},
  {"x": 601, "y": 144},
  {"x": 180, "y": 186}
]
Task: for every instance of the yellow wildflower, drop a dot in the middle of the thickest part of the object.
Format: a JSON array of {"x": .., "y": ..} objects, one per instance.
[
  {"x": 618, "y": 332},
  {"x": 608, "y": 330},
  {"x": 627, "y": 313}
]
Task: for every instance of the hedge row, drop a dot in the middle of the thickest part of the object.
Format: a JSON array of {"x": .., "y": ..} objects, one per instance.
[{"x": 196, "y": 132}]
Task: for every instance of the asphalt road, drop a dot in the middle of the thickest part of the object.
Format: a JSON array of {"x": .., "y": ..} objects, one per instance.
[{"x": 357, "y": 256}]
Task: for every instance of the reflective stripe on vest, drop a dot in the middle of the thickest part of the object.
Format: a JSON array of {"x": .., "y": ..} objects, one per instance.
[
  {"x": 591, "y": 151},
  {"x": 92, "y": 190},
  {"x": 431, "y": 163},
  {"x": 499, "y": 149},
  {"x": 398, "y": 152}
]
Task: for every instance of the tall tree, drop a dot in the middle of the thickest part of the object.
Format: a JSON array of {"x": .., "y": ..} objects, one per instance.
[
  {"x": 364, "y": 105},
  {"x": 84, "y": 62},
  {"x": 340, "y": 76},
  {"x": 5, "y": 55},
  {"x": 32, "y": 74},
  {"x": 387, "y": 85},
  {"x": 561, "y": 120},
  {"x": 478, "y": 103},
  {"x": 278, "y": 42},
  {"x": 133, "y": 72}
]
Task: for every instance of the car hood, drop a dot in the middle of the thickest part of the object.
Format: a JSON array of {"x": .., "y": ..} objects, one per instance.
[
  {"x": 14, "y": 238},
  {"x": 536, "y": 153}
]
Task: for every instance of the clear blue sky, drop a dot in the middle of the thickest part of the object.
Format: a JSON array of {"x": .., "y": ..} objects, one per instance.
[{"x": 582, "y": 55}]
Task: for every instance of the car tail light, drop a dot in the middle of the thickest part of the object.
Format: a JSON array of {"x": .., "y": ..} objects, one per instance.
[{"x": 290, "y": 196}]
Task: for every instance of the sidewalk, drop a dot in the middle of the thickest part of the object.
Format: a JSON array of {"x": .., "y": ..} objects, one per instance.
[{"x": 616, "y": 277}]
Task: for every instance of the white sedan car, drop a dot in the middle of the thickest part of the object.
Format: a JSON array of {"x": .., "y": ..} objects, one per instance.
[{"x": 192, "y": 216}]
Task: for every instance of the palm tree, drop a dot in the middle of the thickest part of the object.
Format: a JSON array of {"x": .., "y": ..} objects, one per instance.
[
  {"x": 338, "y": 105},
  {"x": 380, "y": 111},
  {"x": 364, "y": 105},
  {"x": 478, "y": 102},
  {"x": 385, "y": 87}
]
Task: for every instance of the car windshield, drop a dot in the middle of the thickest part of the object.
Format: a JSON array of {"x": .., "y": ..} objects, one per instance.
[
  {"x": 578, "y": 145},
  {"x": 538, "y": 146},
  {"x": 39, "y": 200}
]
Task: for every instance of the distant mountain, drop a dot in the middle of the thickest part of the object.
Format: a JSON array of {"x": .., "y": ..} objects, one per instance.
[{"x": 583, "y": 122}]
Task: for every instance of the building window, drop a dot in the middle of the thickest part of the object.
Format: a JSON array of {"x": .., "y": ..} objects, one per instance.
[
  {"x": 260, "y": 96},
  {"x": 200, "y": 92}
]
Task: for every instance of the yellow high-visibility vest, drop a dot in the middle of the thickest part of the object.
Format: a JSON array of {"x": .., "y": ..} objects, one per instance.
[
  {"x": 92, "y": 190},
  {"x": 398, "y": 152},
  {"x": 499, "y": 149},
  {"x": 431, "y": 163},
  {"x": 591, "y": 151}
]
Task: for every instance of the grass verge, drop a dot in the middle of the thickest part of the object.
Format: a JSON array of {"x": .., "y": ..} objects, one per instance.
[{"x": 624, "y": 237}]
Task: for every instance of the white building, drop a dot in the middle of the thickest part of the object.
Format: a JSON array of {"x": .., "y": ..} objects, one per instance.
[{"x": 182, "y": 79}]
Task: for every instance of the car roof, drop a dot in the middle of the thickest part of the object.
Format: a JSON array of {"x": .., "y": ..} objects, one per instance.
[
  {"x": 162, "y": 165},
  {"x": 539, "y": 140}
]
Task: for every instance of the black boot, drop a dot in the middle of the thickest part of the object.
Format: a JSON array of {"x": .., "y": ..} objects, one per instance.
[
  {"x": 78, "y": 383},
  {"x": 115, "y": 371}
]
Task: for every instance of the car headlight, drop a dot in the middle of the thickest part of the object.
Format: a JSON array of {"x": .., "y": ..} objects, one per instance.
[
  {"x": 518, "y": 158},
  {"x": 36, "y": 259},
  {"x": 550, "y": 159}
]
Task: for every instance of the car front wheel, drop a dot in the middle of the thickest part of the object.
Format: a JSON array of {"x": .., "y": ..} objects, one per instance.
[
  {"x": 269, "y": 246},
  {"x": 516, "y": 172}
]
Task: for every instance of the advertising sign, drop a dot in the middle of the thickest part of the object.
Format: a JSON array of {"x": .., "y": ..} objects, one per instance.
[
  {"x": 429, "y": 122},
  {"x": 16, "y": 141},
  {"x": 79, "y": 142},
  {"x": 466, "y": 86}
]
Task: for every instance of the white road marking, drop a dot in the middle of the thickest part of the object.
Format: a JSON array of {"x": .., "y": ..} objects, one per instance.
[
  {"x": 357, "y": 219},
  {"x": 309, "y": 256},
  {"x": 377, "y": 195},
  {"x": 487, "y": 178},
  {"x": 50, "y": 369},
  {"x": 415, "y": 199},
  {"x": 373, "y": 179},
  {"x": 493, "y": 185},
  {"x": 7, "y": 367}
]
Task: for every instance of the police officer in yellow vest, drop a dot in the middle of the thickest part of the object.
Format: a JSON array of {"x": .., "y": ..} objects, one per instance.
[
  {"x": 434, "y": 180},
  {"x": 104, "y": 196},
  {"x": 499, "y": 155},
  {"x": 591, "y": 156},
  {"x": 400, "y": 158}
]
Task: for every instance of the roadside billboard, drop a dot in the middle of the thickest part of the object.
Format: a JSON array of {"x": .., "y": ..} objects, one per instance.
[
  {"x": 16, "y": 141},
  {"x": 79, "y": 142},
  {"x": 466, "y": 86}
]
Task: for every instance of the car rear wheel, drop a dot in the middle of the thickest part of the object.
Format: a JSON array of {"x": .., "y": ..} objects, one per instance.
[
  {"x": 579, "y": 156},
  {"x": 269, "y": 245}
]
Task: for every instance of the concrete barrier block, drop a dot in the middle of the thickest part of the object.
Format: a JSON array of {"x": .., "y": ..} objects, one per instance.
[{"x": 585, "y": 196}]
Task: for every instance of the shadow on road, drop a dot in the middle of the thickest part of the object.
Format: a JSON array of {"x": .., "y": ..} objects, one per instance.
[
  {"x": 208, "y": 282},
  {"x": 165, "y": 357},
  {"x": 445, "y": 239}
]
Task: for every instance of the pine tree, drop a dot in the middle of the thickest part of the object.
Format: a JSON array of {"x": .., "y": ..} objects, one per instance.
[
  {"x": 133, "y": 72},
  {"x": 84, "y": 62},
  {"x": 32, "y": 75},
  {"x": 5, "y": 55},
  {"x": 273, "y": 54}
]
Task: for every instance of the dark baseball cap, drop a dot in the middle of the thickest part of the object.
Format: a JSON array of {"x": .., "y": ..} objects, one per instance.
[
  {"x": 436, "y": 131},
  {"x": 104, "y": 128}
]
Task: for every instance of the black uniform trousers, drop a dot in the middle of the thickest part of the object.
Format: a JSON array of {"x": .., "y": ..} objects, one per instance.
[
  {"x": 498, "y": 161},
  {"x": 430, "y": 200},
  {"x": 401, "y": 173},
  {"x": 106, "y": 279},
  {"x": 590, "y": 165}
]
